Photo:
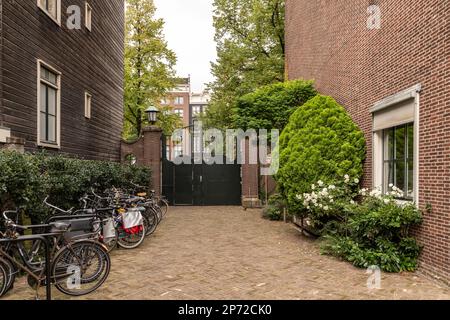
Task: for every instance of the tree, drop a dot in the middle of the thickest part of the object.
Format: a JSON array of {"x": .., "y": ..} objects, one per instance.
[
  {"x": 149, "y": 64},
  {"x": 250, "y": 45},
  {"x": 270, "y": 107}
]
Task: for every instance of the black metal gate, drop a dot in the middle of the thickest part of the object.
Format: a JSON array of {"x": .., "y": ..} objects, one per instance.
[{"x": 202, "y": 184}]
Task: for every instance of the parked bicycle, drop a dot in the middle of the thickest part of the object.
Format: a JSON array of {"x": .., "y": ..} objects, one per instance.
[{"x": 78, "y": 267}]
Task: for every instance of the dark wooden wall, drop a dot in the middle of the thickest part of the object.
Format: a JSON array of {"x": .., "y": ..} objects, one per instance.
[{"x": 88, "y": 61}]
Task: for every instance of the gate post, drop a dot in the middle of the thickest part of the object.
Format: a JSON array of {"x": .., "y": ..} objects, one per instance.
[
  {"x": 153, "y": 155},
  {"x": 250, "y": 181}
]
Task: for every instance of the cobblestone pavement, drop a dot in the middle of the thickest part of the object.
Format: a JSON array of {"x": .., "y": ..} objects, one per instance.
[{"x": 229, "y": 253}]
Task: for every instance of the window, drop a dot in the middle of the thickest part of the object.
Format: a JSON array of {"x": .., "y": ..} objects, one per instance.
[
  {"x": 87, "y": 105},
  {"x": 178, "y": 150},
  {"x": 396, "y": 143},
  {"x": 179, "y": 100},
  {"x": 179, "y": 112},
  {"x": 52, "y": 8},
  {"x": 88, "y": 15},
  {"x": 48, "y": 106},
  {"x": 398, "y": 159},
  {"x": 196, "y": 110}
]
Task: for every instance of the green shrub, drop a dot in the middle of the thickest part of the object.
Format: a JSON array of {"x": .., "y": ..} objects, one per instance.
[
  {"x": 272, "y": 213},
  {"x": 320, "y": 142},
  {"x": 25, "y": 180},
  {"x": 271, "y": 106},
  {"x": 377, "y": 234},
  {"x": 274, "y": 210}
]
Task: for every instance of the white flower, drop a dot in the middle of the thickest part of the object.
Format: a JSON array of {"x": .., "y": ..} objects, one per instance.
[
  {"x": 326, "y": 208},
  {"x": 320, "y": 205},
  {"x": 352, "y": 202},
  {"x": 331, "y": 200},
  {"x": 386, "y": 201},
  {"x": 356, "y": 180},
  {"x": 332, "y": 187},
  {"x": 320, "y": 183},
  {"x": 391, "y": 185},
  {"x": 299, "y": 197},
  {"x": 313, "y": 187}
]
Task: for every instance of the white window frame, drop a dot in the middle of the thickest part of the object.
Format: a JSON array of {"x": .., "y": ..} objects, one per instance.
[
  {"x": 179, "y": 101},
  {"x": 40, "y": 64},
  {"x": 87, "y": 105},
  {"x": 88, "y": 16},
  {"x": 56, "y": 19},
  {"x": 378, "y": 139}
]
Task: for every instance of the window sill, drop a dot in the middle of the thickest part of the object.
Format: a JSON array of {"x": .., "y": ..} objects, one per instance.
[
  {"x": 57, "y": 21},
  {"x": 49, "y": 146}
]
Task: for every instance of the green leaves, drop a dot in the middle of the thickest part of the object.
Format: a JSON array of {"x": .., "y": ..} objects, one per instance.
[
  {"x": 149, "y": 64},
  {"x": 26, "y": 180},
  {"x": 320, "y": 142},
  {"x": 270, "y": 107},
  {"x": 250, "y": 47}
]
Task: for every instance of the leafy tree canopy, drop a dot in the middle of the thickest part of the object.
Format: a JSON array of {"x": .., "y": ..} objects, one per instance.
[
  {"x": 250, "y": 45},
  {"x": 149, "y": 64}
]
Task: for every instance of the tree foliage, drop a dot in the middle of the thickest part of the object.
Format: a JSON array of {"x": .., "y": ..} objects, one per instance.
[
  {"x": 149, "y": 64},
  {"x": 270, "y": 107},
  {"x": 320, "y": 142},
  {"x": 250, "y": 45}
]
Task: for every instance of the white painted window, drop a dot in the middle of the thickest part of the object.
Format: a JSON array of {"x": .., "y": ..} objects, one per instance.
[
  {"x": 179, "y": 112},
  {"x": 87, "y": 105},
  {"x": 196, "y": 110},
  {"x": 88, "y": 16},
  {"x": 179, "y": 100},
  {"x": 49, "y": 105},
  {"x": 398, "y": 159},
  {"x": 52, "y": 8},
  {"x": 396, "y": 143}
]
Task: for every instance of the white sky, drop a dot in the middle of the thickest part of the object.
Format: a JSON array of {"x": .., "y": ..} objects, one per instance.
[{"x": 189, "y": 32}]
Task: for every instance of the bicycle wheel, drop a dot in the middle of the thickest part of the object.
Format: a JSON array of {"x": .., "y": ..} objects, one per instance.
[
  {"x": 3, "y": 278},
  {"x": 81, "y": 268},
  {"x": 164, "y": 205},
  {"x": 152, "y": 221},
  {"x": 158, "y": 213},
  {"x": 128, "y": 240},
  {"x": 11, "y": 272}
]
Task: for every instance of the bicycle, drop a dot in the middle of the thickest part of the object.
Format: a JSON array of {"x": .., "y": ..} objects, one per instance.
[{"x": 77, "y": 267}]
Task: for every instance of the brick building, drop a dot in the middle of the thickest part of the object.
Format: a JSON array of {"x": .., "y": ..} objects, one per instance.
[{"x": 395, "y": 82}]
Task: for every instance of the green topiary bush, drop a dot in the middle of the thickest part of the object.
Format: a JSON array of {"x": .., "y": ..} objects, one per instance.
[
  {"x": 271, "y": 106},
  {"x": 320, "y": 142},
  {"x": 25, "y": 180}
]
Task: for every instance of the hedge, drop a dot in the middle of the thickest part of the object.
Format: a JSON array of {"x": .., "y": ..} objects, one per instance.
[
  {"x": 270, "y": 106},
  {"x": 26, "y": 179},
  {"x": 320, "y": 142}
]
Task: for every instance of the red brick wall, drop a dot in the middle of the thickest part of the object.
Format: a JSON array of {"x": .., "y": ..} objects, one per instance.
[{"x": 329, "y": 41}]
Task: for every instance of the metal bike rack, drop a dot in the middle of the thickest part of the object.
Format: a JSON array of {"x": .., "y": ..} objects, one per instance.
[{"x": 48, "y": 268}]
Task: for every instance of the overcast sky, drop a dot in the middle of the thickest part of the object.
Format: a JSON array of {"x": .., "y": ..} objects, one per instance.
[{"x": 190, "y": 33}]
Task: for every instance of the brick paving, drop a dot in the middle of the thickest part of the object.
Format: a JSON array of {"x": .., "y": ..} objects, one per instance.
[{"x": 228, "y": 253}]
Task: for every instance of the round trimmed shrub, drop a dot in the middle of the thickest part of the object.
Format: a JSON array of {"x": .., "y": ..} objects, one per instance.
[{"x": 320, "y": 142}]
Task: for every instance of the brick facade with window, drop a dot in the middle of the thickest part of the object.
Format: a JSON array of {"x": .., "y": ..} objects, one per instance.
[{"x": 394, "y": 82}]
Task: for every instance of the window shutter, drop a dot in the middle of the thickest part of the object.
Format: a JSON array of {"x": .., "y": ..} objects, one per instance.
[{"x": 394, "y": 115}]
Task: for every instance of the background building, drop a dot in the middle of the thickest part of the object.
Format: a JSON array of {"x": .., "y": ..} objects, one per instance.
[
  {"x": 61, "y": 89},
  {"x": 188, "y": 105},
  {"x": 395, "y": 83}
]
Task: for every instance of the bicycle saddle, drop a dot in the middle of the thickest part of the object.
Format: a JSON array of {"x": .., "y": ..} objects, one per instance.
[{"x": 59, "y": 226}]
